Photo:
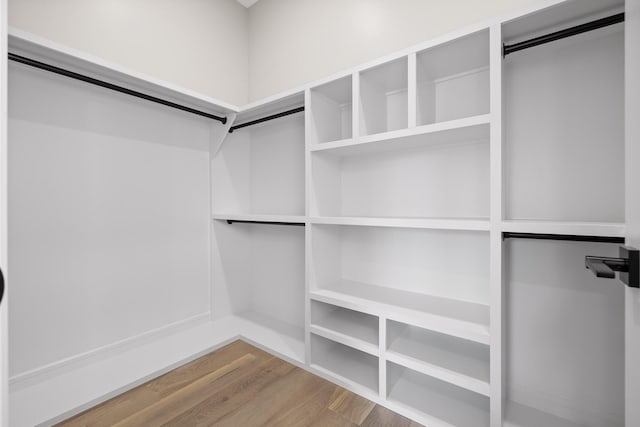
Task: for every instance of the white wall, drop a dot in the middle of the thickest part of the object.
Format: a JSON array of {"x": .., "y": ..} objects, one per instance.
[
  {"x": 108, "y": 217},
  {"x": 197, "y": 44},
  {"x": 221, "y": 49},
  {"x": 292, "y": 42}
]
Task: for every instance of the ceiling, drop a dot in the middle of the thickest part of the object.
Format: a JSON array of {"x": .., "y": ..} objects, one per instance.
[{"x": 247, "y": 3}]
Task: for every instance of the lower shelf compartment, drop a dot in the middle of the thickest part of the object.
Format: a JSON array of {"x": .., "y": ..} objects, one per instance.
[
  {"x": 517, "y": 415},
  {"x": 460, "y": 362},
  {"x": 345, "y": 363},
  {"x": 452, "y": 317},
  {"x": 437, "y": 403}
]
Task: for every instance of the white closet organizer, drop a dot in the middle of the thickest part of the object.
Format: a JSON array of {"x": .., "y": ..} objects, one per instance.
[{"x": 409, "y": 229}]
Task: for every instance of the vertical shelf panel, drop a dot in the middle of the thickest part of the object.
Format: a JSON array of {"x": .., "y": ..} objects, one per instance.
[
  {"x": 457, "y": 361},
  {"x": 345, "y": 363}
]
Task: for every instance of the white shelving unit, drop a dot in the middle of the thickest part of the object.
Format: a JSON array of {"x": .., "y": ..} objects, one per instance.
[
  {"x": 404, "y": 174},
  {"x": 348, "y": 327},
  {"x": 459, "y": 362}
]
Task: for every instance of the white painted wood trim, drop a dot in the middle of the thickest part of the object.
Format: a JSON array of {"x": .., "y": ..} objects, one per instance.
[
  {"x": 27, "y": 378},
  {"x": 412, "y": 91},
  {"x": 403, "y": 133},
  {"x": 355, "y": 105}
]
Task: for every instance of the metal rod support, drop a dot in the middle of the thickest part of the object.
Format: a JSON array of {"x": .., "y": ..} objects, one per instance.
[
  {"x": 567, "y": 32},
  {"x": 565, "y": 237},
  {"x": 111, "y": 86},
  {"x": 231, "y": 221},
  {"x": 267, "y": 118}
]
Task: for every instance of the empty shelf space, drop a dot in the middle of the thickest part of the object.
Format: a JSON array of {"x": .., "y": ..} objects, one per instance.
[
  {"x": 454, "y": 360},
  {"x": 349, "y": 327},
  {"x": 443, "y": 174},
  {"x": 517, "y": 415},
  {"x": 456, "y": 318},
  {"x": 438, "y": 403},
  {"x": 383, "y": 97},
  {"x": 453, "y": 79},
  {"x": 331, "y": 111},
  {"x": 347, "y": 364}
]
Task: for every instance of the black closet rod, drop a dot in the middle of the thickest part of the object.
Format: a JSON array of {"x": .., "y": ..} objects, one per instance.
[
  {"x": 565, "y": 237},
  {"x": 267, "y": 118},
  {"x": 231, "y": 221},
  {"x": 567, "y": 32},
  {"x": 107, "y": 85}
]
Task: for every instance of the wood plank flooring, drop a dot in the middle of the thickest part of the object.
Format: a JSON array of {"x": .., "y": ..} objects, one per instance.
[{"x": 239, "y": 385}]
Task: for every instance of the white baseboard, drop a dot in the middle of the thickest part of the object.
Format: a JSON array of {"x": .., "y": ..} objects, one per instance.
[{"x": 42, "y": 373}]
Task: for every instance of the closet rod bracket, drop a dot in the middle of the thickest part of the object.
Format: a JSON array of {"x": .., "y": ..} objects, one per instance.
[{"x": 628, "y": 265}]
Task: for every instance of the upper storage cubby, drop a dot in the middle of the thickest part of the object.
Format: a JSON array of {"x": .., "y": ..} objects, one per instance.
[
  {"x": 383, "y": 98},
  {"x": 453, "y": 79},
  {"x": 331, "y": 111},
  {"x": 260, "y": 169},
  {"x": 564, "y": 120},
  {"x": 441, "y": 174}
]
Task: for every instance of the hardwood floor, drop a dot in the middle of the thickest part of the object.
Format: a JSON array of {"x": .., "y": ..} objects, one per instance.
[{"x": 239, "y": 385}]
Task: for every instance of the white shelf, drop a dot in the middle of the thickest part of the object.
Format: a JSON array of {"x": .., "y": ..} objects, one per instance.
[
  {"x": 453, "y": 360},
  {"x": 475, "y": 224},
  {"x": 346, "y": 364},
  {"x": 348, "y": 327},
  {"x": 456, "y": 318},
  {"x": 439, "y": 403},
  {"x": 611, "y": 229},
  {"x": 468, "y": 129},
  {"x": 259, "y": 217}
]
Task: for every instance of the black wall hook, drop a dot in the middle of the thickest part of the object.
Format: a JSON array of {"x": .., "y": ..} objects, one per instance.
[{"x": 628, "y": 265}]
